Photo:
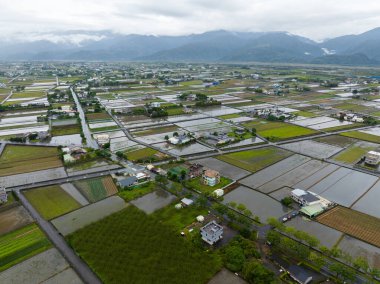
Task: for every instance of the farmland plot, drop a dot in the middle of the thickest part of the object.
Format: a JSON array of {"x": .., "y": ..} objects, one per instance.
[{"x": 97, "y": 188}]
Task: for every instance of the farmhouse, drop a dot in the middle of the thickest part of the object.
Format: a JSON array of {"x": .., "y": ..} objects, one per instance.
[
  {"x": 3, "y": 195},
  {"x": 187, "y": 201},
  {"x": 179, "y": 140},
  {"x": 212, "y": 232},
  {"x": 102, "y": 139},
  {"x": 210, "y": 177},
  {"x": 129, "y": 181},
  {"x": 372, "y": 158},
  {"x": 304, "y": 198}
]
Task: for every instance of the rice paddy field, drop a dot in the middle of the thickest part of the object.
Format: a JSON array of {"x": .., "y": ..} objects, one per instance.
[
  {"x": 17, "y": 159},
  {"x": 353, "y": 153},
  {"x": 362, "y": 136},
  {"x": 255, "y": 160},
  {"x": 276, "y": 131},
  {"x": 65, "y": 130},
  {"x": 356, "y": 224},
  {"x": 97, "y": 188},
  {"x": 51, "y": 201},
  {"x": 142, "y": 249},
  {"x": 21, "y": 244},
  {"x": 142, "y": 154},
  {"x": 97, "y": 116}
]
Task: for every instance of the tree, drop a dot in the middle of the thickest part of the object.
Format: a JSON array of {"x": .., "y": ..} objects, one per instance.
[
  {"x": 166, "y": 137},
  {"x": 287, "y": 201},
  {"x": 220, "y": 208},
  {"x": 119, "y": 154},
  {"x": 342, "y": 271},
  {"x": 253, "y": 131},
  {"x": 241, "y": 207},
  {"x": 235, "y": 258},
  {"x": 232, "y": 204},
  {"x": 318, "y": 260},
  {"x": 361, "y": 263},
  {"x": 255, "y": 272}
]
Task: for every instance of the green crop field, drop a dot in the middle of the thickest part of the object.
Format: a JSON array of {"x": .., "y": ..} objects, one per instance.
[
  {"x": 156, "y": 130},
  {"x": 97, "y": 188},
  {"x": 51, "y": 201},
  {"x": 362, "y": 136},
  {"x": 352, "y": 154},
  {"x": 17, "y": 159},
  {"x": 65, "y": 130},
  {"x": 276, "y": 131},
  {"x": 137, "y": 191},
  {"x": 21, "y": 244},
  {"x": 97, "y": 116},
  {"x": 141, "y": 154},
  {"x": 143, "y": 249},
  {"x": 229, "y": 116},
  {"x": 255, "y": 160}
]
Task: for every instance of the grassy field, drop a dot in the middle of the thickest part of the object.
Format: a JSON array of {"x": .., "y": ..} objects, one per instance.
[
  {"x": 21, "y": 244},
  {"x": 175, "y": 111},
  {"x": 65, "y": 130},
  {"x": 352, "y": 154},
  {"x": 336, "y": 140},
  {"x": 17, "y": 159},
  {"x": 137, "y": 191},
  {"x": 143, "y": 249},
  {"x": 362, "y": 136},
  {"x": 97, "y": 188},
  {"x": 275, "y": 131},
  {"x": 229, "y": 116},
  {"x": 305, "y": 114},
  {"x": 197, "y": 184},
  {"x": 353, "y": 223},
  {"x": 142, "y": 154},
  {"x": 27, "y": 95},
  {"x": 51, "y": 201},
  {"x": 255, "y": 160}
]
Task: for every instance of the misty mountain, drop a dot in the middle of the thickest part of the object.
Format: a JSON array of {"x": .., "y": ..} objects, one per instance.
[{"x": 216, "y": 46}]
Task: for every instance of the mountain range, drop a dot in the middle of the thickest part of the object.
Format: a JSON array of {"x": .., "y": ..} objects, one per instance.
[{"x": 214, "y": 46}]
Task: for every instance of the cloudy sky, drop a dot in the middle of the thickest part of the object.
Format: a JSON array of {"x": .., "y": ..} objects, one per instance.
[{"x": 316, "y": 19}]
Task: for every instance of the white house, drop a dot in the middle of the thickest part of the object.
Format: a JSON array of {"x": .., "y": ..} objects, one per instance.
[
  {"x": 212, "y": 232},
  {"x": 304, "y": 198}
]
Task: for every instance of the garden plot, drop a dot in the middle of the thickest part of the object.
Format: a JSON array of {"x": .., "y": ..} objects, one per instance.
[
  {"x": 120, "y": 143},
  {"x": 357, "y": 248},
  {"x": 369, "y": 203},
  {"x": 96, "y": 189},
  {"x": 67, "y": 140},
  {"x": 313, "y": 149},
  {"x": 293, "y": 176},
  {"x": 48, "y": 267},
  {"x": 194, "y": 148},
  {"x": 154, "y": 201},
  {"x": 326, "y": 235},
  {"x": 84, "y": 216},
  {"x": 223, "y": 168},
  {"x": 218, "y": 111},
  {"x": 14, "y": 218},
  {"x": 102, "y": 124},
  {"x": 354, "y": 223},
  {"x": 259, "y": 204},
  {"x": 246, "y": 142},
  {"x": 37, "y": 176},
  {"x": 266, "y": 175},
  {"x": 74, "y": 193},
  {"x": 346, "y": 188}
]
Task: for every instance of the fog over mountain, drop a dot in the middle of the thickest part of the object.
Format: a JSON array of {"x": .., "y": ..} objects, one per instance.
[{"x": 215, "y": 46}]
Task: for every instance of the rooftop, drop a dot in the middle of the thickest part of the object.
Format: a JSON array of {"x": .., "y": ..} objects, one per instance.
[{"x": 212, "y": 228}]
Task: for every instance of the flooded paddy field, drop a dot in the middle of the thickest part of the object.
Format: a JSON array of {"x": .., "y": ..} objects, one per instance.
[
  {"x": 67, "y": 140},
  {"x": 223, "y": 168},
  {"x": 154, "y": 201},
  {"x": 316, "y": 177},
  {"x": 245, "y": 142},
  {"x": 14, "y": 218},
  {"x": 194, "y": 148},
  {"x": 260, "y": 178},
  {"x": 357, "y": 248},
  {"x": 120, "y": 143},
  {"x": 330, "y": 124},
  {"x": 373, "y": 131},
  {"x": 313, "y": 149},
  {"x": 317, "y": 122},
  {"x": 260, "y": 204},
  {"x": 369, "y": 203},
  {"x": 157, "y": 138},
  {"x": 185, "y": 117},
  {"x": 37, "y": 128},
  {"x": 344, "y": 186},
  {"x": 293, "y": 176},
  {"x": 327, "y": 236},
  {"x": 202, "y": 121},
  {"x": 281, "y": 193},
  {"x": 218, "y": 111}
]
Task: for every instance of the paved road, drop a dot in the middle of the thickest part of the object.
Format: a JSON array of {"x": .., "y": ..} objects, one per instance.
[
  {"x": 84, "y": 272},
  {"x": 10, "y": 94},
  {"x": 86, "y": 131}
]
